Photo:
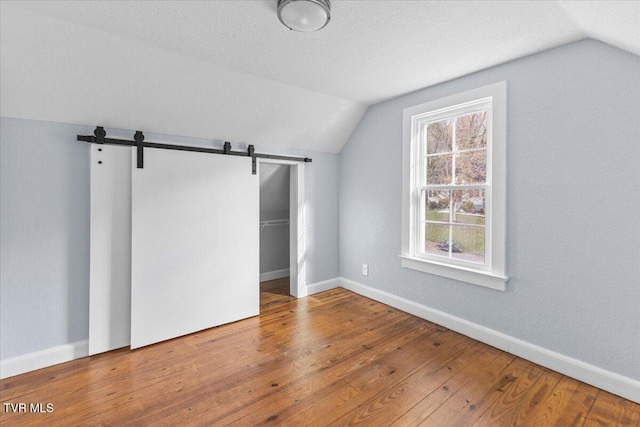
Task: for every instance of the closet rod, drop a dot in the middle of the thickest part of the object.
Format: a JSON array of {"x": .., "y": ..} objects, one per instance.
[{"x": 99, "y": 137}]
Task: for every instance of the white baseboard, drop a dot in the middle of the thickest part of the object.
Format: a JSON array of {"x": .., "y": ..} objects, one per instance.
[
  {"x": 273, "y": 275},
  {"x": 325, "y": 285},
  {"x": 43, "y": 358},
  {"x": 574, "y": 368}
]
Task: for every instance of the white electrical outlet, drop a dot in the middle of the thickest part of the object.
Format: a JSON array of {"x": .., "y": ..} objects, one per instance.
[{"x": 365, "y": 270}]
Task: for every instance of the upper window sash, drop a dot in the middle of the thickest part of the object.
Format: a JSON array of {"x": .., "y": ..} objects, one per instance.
[{"x": 420, "y": 123}]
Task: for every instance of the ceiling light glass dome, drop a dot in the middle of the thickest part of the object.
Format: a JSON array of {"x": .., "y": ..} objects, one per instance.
[{"x": 304, "y": 15}]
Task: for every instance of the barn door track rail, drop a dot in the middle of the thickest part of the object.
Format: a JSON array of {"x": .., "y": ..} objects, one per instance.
[{"x": 100, "y": 137}]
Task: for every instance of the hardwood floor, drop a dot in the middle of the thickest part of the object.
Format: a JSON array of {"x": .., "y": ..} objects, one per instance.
[{"x": 334, "y": 358}]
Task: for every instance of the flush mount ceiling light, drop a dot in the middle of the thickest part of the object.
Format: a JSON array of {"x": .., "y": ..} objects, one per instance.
[{"x": 304, "y": 15}]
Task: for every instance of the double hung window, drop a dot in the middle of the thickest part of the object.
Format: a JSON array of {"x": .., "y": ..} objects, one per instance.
[{"x": 453, "y": 195}]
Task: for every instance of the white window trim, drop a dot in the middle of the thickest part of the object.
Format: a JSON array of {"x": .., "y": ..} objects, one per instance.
[{"x": 493, "y": 275}]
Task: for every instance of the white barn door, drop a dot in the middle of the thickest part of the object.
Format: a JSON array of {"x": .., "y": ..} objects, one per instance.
[
  {"x": 110, "y": 265},
  {"x": 195, "y": 243}
]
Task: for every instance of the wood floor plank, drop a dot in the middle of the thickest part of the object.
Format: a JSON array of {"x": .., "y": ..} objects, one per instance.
[
  {"x": 518, "y": 402},
  {"x": 334, "y": 358},
  {"x": 566, "y": 405},
  {"x": 468, "y": 404},
  {"x": 324, "y": 397},
  {"x": 427, "y": 401},
  {"x": 610, "y": 410},
  {"x": 385, "y": 403},
  {"x": 313, "y": 370},
  {"x": 246, "y": 368}
]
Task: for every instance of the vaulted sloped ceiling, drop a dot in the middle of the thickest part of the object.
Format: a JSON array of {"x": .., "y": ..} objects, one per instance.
[{"x": 229, "y": 70}]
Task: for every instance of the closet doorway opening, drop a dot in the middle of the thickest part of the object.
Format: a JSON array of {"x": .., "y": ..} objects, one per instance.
[{"x": 282, "y": 260}]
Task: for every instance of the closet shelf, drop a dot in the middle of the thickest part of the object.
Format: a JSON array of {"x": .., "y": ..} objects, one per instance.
[{"x": 273, "y": 222}]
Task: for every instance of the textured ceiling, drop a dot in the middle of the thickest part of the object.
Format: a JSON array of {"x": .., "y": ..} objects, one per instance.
[{"x": 230, "y": 70}]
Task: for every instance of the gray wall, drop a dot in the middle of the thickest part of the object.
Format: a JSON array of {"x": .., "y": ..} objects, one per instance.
[
  {"x": 274, "y": 204},
  {"x": 44, "y": 229},
  {"x": 573, "y": 212},
  {"x": 44, "y": 236}
]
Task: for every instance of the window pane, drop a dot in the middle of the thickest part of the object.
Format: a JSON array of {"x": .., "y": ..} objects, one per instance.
[
  {"x": 436, "y": 239},
  {"x": 471, "y": 167},
  {"x": 437, "y": 205},
  {"x": 471, "y": 131},
  {"x": 468, "y": 206},
  {"x": 468, "y": 243},
  {"x": 439, "y": 137},
  {"x": 439, "y": 168}
]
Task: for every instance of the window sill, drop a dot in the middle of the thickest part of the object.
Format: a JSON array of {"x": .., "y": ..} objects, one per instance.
[{"x": 480, "y": 278}]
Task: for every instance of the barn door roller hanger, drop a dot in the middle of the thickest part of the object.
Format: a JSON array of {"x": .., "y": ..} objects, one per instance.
[{"x": 99, "y": 137}]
